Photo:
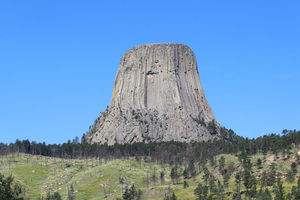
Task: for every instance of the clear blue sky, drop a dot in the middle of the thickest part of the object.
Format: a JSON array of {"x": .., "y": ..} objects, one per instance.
[{"x": 58, "y": 60}]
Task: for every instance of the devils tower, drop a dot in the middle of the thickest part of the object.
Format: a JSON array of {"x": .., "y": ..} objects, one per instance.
[{"x": 157, "y": 96}]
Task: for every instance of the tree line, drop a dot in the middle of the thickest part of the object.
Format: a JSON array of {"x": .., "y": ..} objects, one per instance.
[{"x": 161, "y": 152}]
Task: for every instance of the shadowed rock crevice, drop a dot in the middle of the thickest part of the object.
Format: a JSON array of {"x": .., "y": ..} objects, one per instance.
[{"x": 157, "y": 96}]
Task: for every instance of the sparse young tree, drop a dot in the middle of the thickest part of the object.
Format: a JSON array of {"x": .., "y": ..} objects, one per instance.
[{"x": 71, "y": 195}]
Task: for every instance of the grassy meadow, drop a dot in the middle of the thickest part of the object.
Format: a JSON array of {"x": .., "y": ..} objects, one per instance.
[{"x": 107, "y": 179}]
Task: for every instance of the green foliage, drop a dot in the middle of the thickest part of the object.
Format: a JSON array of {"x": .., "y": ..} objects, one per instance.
[
  {"x": 54, "y": 196},
  {"x": 185, "y": 184},
  {"x": 162, "y": 177},
  {"x": 290, "y": 177},
  {"x": 130, "y": 194},
  {"x": 259, "y": 163},
  {"x": 191, "y": 168},
  {"x": 271, "y": 178},
  {"x": 221, "y": 163},
  {"x": 206, "y": 174},
  {"x": 295, "y": 191},
  {"x": 226, "y": 179},
  {"x": 71, "y": 195},
  {"x": 8, "y": 191},
  {"x": 278, "y": 190},
  {"x": 174, "y": 175},
  {"x": 172, "y": 197},
  {"x": 264, "y": 195},
  {"x": 294, "y": 167},
  {"x": 185, "y": 173},
  {"x": 199, "y": 120},
  {"x": 98, "y": 170},
  {"x": 212, "y": 127},
  {"x": 201, "y": 191}
]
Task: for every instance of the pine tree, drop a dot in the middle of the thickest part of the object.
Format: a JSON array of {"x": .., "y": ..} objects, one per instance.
[
  {"x": 259, "y": 163},
  {"x": 237, "y": 192},
  {"x": 264, "y": 179},
  {"x": 294, "y": 167},
  {"x": 185, "y": 184},
  {"x": 174, "y": 175},
  {"x": 295, "y": 192},
  {"x": 221, "y": 163},
  {"x": 201, "y": 191},
  {"x": 7, "y": 191},
  {"x": 278, "y": 190},
  {"x": 71, "y": 195},
  {"x": 226, "y": 178},
  {"x": 206, "y": 174},
  {"x": 290, "y": 177},
  {"x": 272, "y": 175},
  {"x": 127, "y": 195},
  {"x": 185, "y": 173},
  {"x": 162, "y": 177},
  {"x": 212, "y": 184},
  {"x": 192, "y": 169}
]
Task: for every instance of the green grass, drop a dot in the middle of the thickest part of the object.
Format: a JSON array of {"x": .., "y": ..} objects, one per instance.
[{"x": 99, "y": 179}]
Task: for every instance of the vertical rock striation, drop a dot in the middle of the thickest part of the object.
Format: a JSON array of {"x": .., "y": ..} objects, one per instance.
[{"x": 157, "y": 96}]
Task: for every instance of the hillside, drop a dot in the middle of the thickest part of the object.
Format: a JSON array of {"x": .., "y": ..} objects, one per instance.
[{"x": 107, "y": 179}]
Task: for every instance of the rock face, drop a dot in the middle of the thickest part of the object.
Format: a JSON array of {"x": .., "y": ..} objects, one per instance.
[{"x": 157, "y": 96}]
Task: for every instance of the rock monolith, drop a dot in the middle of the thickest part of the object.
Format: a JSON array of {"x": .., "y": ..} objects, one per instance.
[{"x": 157, "y": 96}]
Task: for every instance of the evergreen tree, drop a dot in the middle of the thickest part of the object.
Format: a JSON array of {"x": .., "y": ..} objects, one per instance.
[
  {"x": 206, "y": 174},
  {"x": 185, "y": 184},
  {"x": 71, "y": 195},
  {"x": 226, "y": 178},
  {"x": 185, "y": 173},
  {"x": 264, "y": 195},
  {"x": 220, "y": 192},
  {"x": 154, "y": 178},
  {"x": 174, "y": 175},
  {"x": 295, "y": 192},
  {"x": 212, "y": 184},
  {"x": 7, "y": 190},
  {"x": 221, "y": 163},
  {"x": 56, "y": 196},
  {"x": 127, "y": 195},
  {"x": 130, "y": 193},
  {"x": 290, "y": 177},
  {"x": 294, "y": 167},
  {"x": 259, "y": 163},
  {"x": 162, "y": 177},
  {"x": 237, "y": 192},
  {"x": 192, "y": 169},
  {"x": 278, "y": 190},
  {"x": 201, "y": 191},
  {"x": 172, "y": 197},
  {"x": 272, "y": 175}
]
